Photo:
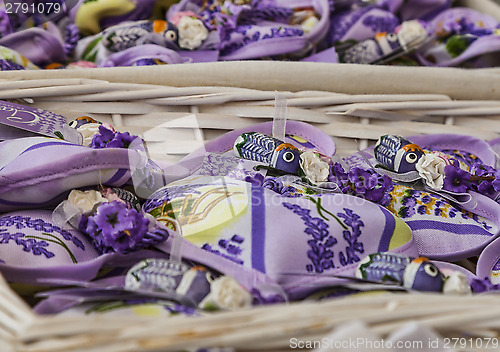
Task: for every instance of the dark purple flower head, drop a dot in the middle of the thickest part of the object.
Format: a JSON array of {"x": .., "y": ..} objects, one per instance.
[
  {"x": 496, "y": 184},
  {"x": 455, "y": 179},
  {"x": 121, "y": 140},
  {"x": 337, "y": 173},
  {"x": 361, "y": 179},
  {"x": 480, "y": 169},
  {"x": 102, "y": 138},
  {"x": 362, "y": 183},
  {"x": 483, "y": 285},
  {"x": 107, "y": 138},
  {"x": 116, "y": 227}
]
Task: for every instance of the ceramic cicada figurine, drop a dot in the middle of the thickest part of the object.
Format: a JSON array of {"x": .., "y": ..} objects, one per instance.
[
  {"x": 411, "y": 273},
  {"x": 397, "y": 154},
  {"x": 274, "y": 152},
  {"x": 127, "y": 35}
]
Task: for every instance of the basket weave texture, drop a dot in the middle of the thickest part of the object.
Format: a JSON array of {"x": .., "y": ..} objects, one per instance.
[{"x": 353, "y": 104}]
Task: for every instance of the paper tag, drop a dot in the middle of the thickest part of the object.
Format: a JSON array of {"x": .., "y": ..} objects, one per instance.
[{"x": 36, "y": 121}]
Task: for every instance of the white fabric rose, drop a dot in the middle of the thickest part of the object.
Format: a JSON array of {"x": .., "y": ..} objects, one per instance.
[
  {"x": 457, "y": 283},
  {"x": 431, "y": 168},
  {"x": 192, "y": 32},
  {"x": 226, "y": 293},
  {"x": 88, "y": 131},
  {"x": 85, "y": 200},
  {"x": 411, "y": 33},
  {"x": 315, "y": 169}
]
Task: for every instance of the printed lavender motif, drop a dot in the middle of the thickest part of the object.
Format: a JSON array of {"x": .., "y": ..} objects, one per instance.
[
  {"x": 35, "y": 244},
  {"x": 21, "y": 222},
  {"x": 220, "y": 165},
  {"x": 277, "y": 186},
  {"x": 343, "y": 22},
  {"x": 229, "y": 249},
  {"x": 320, "y": 252},
  {"x": 261, "y": 11},
  {"x": 353, "y": 221},
  {"x": 413, "y": 201},
  {"x": 166, "y": 194},
  {"x": 29, "y": 244}
]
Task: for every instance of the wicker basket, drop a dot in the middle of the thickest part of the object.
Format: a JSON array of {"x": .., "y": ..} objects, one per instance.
[{"x": 351, "y": 103}]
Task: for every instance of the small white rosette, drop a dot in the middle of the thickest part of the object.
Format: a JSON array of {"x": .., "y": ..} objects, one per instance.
[
  {"x": 226, "y": 293},
  {"x": 314, "y": 168}
]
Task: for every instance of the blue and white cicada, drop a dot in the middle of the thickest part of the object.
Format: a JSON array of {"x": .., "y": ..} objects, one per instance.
[
  {"x": 397, "y": 154},
  {"x": 411, "y": 273},
  {"x": 259, "y": 147}
]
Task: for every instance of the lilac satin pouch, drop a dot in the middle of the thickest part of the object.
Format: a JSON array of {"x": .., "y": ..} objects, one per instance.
[
  {"x": 270, "y": 39},
  {"x": 445, "y": 228},
  {"x": 260, "y": 29},
  {"x": 38, "y": 45},
  {"x": 38, "y": 171},
  {"x": 463, "y": 36},
  {"x": 315, "y": 239}
]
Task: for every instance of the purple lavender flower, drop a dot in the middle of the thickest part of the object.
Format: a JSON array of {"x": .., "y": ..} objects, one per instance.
[
  {"x": 277, "y": 186},
  {"x": 102, "y": 138},
  {"x": 481, "y": 170},
  {"x": 121, "y": 140},
  {"x": 485, "y": 180},
  {"x": 483, "y": 285},
  {"x": 360, "y": 179},
  {"x": 455, "y": 179},
  {"x": 337, "y": 173},
  {"x": 380, "y": 190},
  {"x": 115, "y": 227},
  {"x": 106, "y": 138},
  {"x": 363, "y": 183}
]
